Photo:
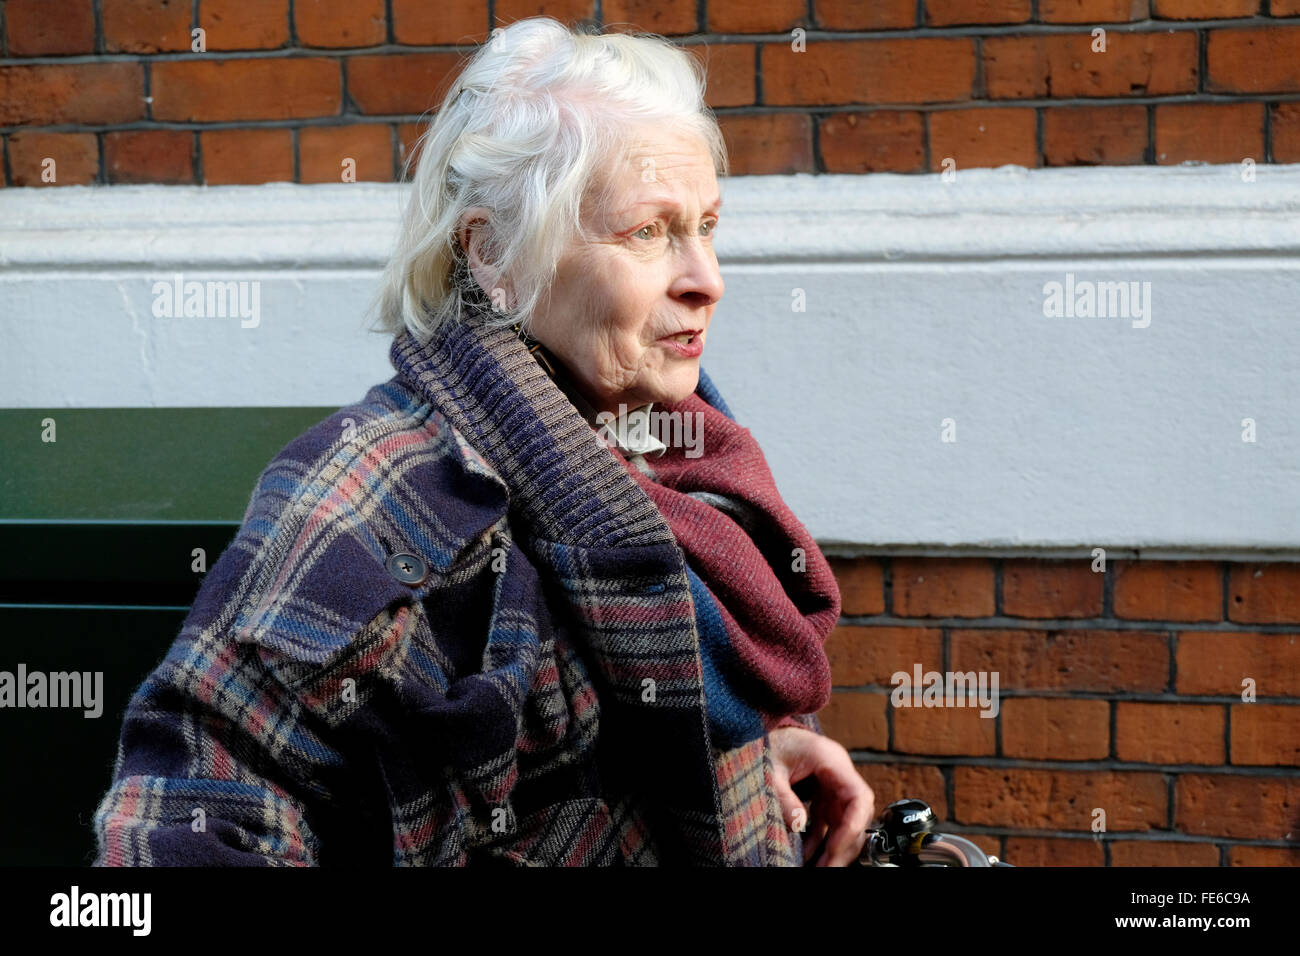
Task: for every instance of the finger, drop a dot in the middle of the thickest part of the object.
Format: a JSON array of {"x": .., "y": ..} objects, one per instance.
[
  {"x": 846, "y": 838},
  {"x": 814, "y": 839},
  {"x": 793, "y": 811}
]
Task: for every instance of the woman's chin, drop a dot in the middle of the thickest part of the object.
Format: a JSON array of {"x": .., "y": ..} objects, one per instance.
[{"x": 680, "y": 385}]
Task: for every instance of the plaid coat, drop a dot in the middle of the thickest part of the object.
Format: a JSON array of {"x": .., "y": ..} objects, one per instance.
[{"x": 451, "y": 630}]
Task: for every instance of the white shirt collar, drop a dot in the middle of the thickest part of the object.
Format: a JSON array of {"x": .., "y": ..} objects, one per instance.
[{"x": 632, "y": 431}]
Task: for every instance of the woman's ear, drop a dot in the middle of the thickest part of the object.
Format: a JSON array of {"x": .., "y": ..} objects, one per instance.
[{"x": 473, "y": 232}]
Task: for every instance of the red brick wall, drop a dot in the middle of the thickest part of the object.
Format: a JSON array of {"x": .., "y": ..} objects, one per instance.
[
  {"x": 287, "y": 88},
  {"x": 1119, "y": 690}
]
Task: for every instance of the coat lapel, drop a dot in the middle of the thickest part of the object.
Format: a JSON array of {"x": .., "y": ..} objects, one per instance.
[{"x": 607, "y": 556}]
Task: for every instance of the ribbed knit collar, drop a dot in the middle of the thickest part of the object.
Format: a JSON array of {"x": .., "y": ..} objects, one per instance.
[
  {"x": 628, "y": 429},
  {"x": 561, "y": 477}
]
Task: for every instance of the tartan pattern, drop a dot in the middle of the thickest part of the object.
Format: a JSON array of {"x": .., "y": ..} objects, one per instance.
[{"x": 314, "y": 710}]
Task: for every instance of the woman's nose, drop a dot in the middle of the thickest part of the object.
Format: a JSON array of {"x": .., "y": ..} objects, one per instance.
[{"x": 700, "y": 274}]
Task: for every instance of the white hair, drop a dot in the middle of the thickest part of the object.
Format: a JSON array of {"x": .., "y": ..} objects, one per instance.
[{"x": 534, "y": 116}]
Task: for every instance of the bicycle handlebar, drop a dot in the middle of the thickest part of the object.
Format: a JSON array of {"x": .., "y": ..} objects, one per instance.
[{"x": 905, "y": 836}]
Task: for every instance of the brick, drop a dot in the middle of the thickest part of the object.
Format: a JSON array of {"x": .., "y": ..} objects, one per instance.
[
  {"x": 240, "y": 25},
  {"x": 401, "y": 83},
  {"x": 947, "y": 13},
  {"x": 1264, "y": 593},
  {"x": 147, "y": 26},
  {"x": 943, "y": 587},
  {"x": 1169, "y": 733},
  {"x": 944, "y": 731},
  {"x": 874, "y": 142},
  {"x": 48, "y": 95},
  {"x": 864, "y": 14},
  {"x": 49, "y": 27},
  {"x": 1050, "y": 851},
  {"x": 890, "y": 782},
  {"x": 990, "y": 844},
  {"x": 664, "y": 17},
  {"x": 1162, "y": 853},
  {"x": 1212, "y": 662},
  {"x": 246, "y": 156},
  {"x": 566, "y": 11},
  {"x": 1285, "y": 121},
  {"x": 983, "y": 137},
  {"x": 1094, "y": 136},
  {"x": 149, "y": 156},
  {"x": 1263, "y": 855},
  {"x": 1210, "y": 132},
  {"x": 1134, "y": 64},
  {"x": 1253, "y": 61},
  {"x": 861, "y": 583},
  {"x": 1168, "y": 590},
  {"x": 1081, "y": 660},
  {"x": 1284, "y": 8},
  {"x": 1232, "y": 805},
  {"x": 1204, "y": 9},
  {"x": 1014, "y": 67},
  {"x": 1055, "y": 728},
  {"x": 1091, "y": 11},
  {"x": 420, "y": 23},
  {"x": 75, "y": 156},
  {"x": 1058, "y": 799},
  {"x": 246, "y": 89},
  {"x": 729, "y": 68},
  {"x": 771, "y": 144},
  {"x": 744, "y": 16},
  {"x": 856, "y": 720},
  {"x": 869, "y": 71},
  {"x": 322, "y": 150},
  {"x": 1265, "y": 735},
  {"x": 1051, "y": 589},
  {"x": 340, "y": 23},
  {"x": 870, "y": 655}
]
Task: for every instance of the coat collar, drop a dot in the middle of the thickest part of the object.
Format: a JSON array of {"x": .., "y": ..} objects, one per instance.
[
  {"x": 567, "y": 485},
  {"x": 616, "y": 564}
]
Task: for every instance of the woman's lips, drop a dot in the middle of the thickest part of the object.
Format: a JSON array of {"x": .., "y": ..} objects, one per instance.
[{"x": 687, "y": 346}]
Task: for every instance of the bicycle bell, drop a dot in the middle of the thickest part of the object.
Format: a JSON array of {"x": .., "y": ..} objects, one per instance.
[{"x": 903, "y": 824}]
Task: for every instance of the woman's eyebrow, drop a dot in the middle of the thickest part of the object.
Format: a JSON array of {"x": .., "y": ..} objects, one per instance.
[{"x": 670, "y": 203}]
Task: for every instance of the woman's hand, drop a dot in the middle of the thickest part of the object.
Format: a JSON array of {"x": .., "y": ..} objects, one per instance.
[{"x": 843, "y": 806}]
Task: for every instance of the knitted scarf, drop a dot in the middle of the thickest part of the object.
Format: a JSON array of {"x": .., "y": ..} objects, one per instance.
[{"x": 765, "y": 597}]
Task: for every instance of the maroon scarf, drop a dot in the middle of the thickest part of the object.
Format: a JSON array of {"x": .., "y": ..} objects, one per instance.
[{"x": 778, "y": 607}]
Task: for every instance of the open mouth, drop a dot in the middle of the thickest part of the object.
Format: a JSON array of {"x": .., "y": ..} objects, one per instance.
[{"x": 687, "y": 345}]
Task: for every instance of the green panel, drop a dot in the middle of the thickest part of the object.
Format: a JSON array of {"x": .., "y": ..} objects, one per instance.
[
  {"x": 133, "y": 464},
  {"x": 61, "y": 761},
  {"x": 97, "y": 538},
  {"x": 148, "y": 563}
]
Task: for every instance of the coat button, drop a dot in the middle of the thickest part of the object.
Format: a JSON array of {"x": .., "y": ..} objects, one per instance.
[{"x": 408, "y": 568}]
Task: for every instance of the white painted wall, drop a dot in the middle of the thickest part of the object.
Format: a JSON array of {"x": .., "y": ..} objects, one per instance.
[{"x": 924, "y": 301}]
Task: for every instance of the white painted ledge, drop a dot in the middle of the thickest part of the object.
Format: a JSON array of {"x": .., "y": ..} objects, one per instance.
[
  {"x": 924, "y": 301},
  {"x": 1079, "y": 212}
]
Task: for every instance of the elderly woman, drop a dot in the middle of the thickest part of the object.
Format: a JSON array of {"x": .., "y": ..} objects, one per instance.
[{"x": 493, "y": 613}]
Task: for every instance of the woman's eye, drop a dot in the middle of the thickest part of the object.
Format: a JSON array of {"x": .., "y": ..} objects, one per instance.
[{"x": 651, "y": 231}]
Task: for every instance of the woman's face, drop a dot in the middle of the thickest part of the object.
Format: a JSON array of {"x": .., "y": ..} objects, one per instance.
[{"x": 647, "y": 273}]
